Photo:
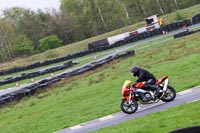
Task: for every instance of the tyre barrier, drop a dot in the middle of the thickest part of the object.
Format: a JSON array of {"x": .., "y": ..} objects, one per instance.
[
  {"x": 103, "y": 42},
  {"x": 57, "y": 60},
  {"x": 192, "y": 129},
  {"x": 196, "y": 19},
  {"x": 185, "y": 33},
  {"x": 140, "y": 36},
  {"x": 46, "y": 63},
  {"x": 37, "y": 73},
  {"x": 44, "y": 83}
]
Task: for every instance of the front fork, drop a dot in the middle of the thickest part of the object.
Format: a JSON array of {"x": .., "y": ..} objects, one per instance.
[
  {"x": 129, "y": 101},
  {"x": 128, "y": 98},
  {"x": 165, "y": 86}
]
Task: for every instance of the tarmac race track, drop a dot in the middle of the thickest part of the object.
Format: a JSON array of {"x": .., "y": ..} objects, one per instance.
[{"x": 186, "y": 96}]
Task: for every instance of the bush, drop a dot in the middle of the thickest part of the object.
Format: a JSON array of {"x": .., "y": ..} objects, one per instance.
[
  {"x": 49, "y": 42},
  {"x": 178, "y": 16},
  {"x": 23, "y": 46}
]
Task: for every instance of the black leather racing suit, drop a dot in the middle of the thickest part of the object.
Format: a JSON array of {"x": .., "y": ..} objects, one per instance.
[{"x": 144, "y": 75}]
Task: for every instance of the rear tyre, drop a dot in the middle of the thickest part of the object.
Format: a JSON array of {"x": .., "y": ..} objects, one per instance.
[
  {"x": 129, "y": 108},
  {"x": 169, "y": 95}
]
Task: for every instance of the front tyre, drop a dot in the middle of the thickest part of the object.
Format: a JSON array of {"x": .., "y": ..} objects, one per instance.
[
  {"x": 129, "y": 108},
  {"x": 169, "y": 95}
]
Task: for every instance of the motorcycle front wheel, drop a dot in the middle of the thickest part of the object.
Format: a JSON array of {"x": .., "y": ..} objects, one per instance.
[
  {"x": 129, "y": 108},
  {"x": 169, "y": 95}
]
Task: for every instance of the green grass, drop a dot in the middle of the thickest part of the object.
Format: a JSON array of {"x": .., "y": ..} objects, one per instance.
[
  {"x": 98, "y": 93},
  {"x": 160, "y": 122}
]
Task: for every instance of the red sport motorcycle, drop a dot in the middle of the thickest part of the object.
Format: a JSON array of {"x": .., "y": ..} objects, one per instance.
[{"x": 132, "y": 95}]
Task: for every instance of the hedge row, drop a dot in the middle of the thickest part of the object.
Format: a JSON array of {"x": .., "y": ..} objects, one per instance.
[
  {"x": 37, "y": 73},
  {"x": 44, "y": 83}
]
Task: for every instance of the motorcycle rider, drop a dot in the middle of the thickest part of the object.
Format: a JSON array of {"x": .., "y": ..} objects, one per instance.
[{"x": 145, "y": 76}]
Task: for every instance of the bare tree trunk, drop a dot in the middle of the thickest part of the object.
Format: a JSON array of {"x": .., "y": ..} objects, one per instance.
[
  {"x": 94, "y": 13},
  {"x": 2, "y": 59},
  {"x": 9, "y": 53},
  {"x": 102, "y": 19},
  {"x": 127, "y": 14},
  {"x": 10, "y": 47},
  {"x": 161, "y": 9},
  {"x": 176, "y": 3},
  {"x": 1, "y": 54},
  {"x": 4, "y": 45}
]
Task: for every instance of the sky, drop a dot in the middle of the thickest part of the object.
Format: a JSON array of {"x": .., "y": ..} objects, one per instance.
[{"x": 32, "y": 4}]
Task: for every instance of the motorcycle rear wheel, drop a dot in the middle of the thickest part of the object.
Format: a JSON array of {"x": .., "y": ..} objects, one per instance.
[
  {"x": 169, "y": 95},
  {"x": 129, "y": 108}
]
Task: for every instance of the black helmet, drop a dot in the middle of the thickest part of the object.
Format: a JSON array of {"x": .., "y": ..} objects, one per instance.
[{"x": 135, "y": 70}]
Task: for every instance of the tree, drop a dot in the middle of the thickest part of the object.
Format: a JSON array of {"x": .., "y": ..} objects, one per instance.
[
  {"x": 23, "y": 46},
  {"x": 49, "y": 42},
  {"x": 27, "y": 22},
  {"x": 13, "y": 16},
  {"x": 6, "y": 36},
  {"x": 84, "y": 19},
  {"x": 32, "y": 25},
  {"x": 112, "y": 14},
  {"x": 62, "y": 25}
]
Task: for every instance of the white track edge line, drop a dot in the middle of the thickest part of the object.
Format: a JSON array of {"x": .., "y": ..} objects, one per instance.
[
  {"x": 185, "y": 92},
  {"x": 76, "y": 127},
  {"x": 106, "y": 118}
]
